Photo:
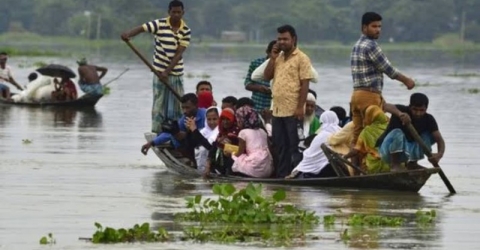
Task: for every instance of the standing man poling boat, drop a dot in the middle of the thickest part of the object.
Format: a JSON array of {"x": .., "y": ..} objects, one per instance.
[
  {"x": 291, "y": 71},
  {"x": 368, "y": 64},
  {"x": 89, "y": 80},
  {"x": 6, "y": 77},
  {"x": 172, "y": 37}
]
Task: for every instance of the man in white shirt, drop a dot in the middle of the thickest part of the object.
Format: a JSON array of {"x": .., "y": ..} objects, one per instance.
[{"x": 6, "y": 77}]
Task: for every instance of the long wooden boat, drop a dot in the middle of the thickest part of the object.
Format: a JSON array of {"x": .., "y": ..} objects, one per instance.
[
  {"x": 83, "y": 101},
  {"x": 409, "y": 180}
]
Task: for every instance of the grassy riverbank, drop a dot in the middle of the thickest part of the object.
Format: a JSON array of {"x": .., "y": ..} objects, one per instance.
[{"x": 29, "y": 44}]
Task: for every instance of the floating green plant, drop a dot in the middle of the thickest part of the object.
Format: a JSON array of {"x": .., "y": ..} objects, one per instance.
[
  {"x": 464, "y": 75},
  {"x": 138, "y": 233},
  {"x": 47, "y": 240},
  {"x": 106, "y": 90},
  {"x": 26, "y": 141},
  {"x": 473, "y": 91},
  {"x": 189, "y": 75},
  {"x": 425, "y": 217},
  {"x": 204, "y": 76},
  {"x": 374, "y": 220}
]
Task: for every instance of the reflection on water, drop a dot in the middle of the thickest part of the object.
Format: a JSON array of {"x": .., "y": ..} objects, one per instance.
[{"x": 85, "y": 165}]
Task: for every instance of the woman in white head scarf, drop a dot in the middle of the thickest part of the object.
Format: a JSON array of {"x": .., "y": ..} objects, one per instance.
[
  {"x": 210, "y": 133},
  {"x": 314, "y": 160}
]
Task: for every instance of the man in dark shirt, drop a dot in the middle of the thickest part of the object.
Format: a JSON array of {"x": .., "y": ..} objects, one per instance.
[{"x": 397, "y": 146}]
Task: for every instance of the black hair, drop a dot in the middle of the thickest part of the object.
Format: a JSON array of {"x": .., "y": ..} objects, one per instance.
[
  {"x": 418, "y": 100},
  {"x": 370, "y": 17},
  {"x": 189, "y": 97},
  {"x": 340, "y": 112},
  {"x": 3, "y": 53},
  {"x": 212, "y": 110},
  {"x": 270, "y": 46},
  {"x": 32, "y": 76},
  {"x": 230, "y": 99},
  {"x": 290, "y": 29},
  {"x": 313, "y": 93},
  {"x": 204, "y": 83},
  {"x": 243, "y": 102},
  {"x": 175, "y": 3}
]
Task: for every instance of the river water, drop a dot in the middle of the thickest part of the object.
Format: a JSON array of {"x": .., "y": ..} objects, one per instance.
[{"x": 85, "y": 166}]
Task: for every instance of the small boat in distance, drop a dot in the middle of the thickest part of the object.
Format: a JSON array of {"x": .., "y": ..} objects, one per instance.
[
  {"x": 83, "y": 101},
  {"x": 407, "y": 181}
]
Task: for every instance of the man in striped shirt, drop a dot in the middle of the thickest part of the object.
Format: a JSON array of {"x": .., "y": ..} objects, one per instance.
[
  {"x": 172, "y": 37},
  {"x": 368, "y": 64},
  {"x": 261, "y": 92}
]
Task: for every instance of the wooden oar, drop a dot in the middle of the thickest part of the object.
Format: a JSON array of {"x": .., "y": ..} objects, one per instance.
[
  {"x": 428, "y": 153},
  {"x": 149, "y": 65}
]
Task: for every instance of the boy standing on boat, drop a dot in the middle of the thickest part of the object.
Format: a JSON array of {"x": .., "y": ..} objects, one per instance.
[
  {"x": 291, "y": 71},
  {"x": 89, "y": 80},
  {"x": 6, "y": 77},
  {"x": 261, "y": 92},
  {"x": 368, "y": 64},
  {"x": 397, "y": 146},
  {"x": 172, "y": 37}
]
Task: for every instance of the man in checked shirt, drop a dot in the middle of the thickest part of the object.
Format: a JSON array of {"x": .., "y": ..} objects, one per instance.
[{"x": 368, "y": 64}]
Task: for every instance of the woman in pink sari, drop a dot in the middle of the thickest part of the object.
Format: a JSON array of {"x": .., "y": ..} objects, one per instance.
[{"x": 253, "y": 157}]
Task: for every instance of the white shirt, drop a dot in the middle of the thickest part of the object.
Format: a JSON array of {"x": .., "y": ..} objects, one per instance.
[{"x": 5, "y": 74}]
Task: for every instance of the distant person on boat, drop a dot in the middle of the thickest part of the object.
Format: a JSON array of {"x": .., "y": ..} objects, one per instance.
[
  {"x": 248, "y": 102},
  {"x": 89, "y": 80},
  {"x": 368, "y": 64},
  {"x": 32, "y": 76},
  {"x": 291, "y": 73},
  {"x": 375, "y": 123},
  {"x": 315, "y": 162},
  {"x": 205, "y": 86},
  {"x": 204, "y": 137},
  {"x": 220, "y": 161},
  {"x": 172, "y": 37},
  {"x": 6, "y": 77},
  {"x": 261, "y": 91},
  {"x": 229, "y": 102},
  {"x": 253, "y": 157},
  {"x": 397, "y": 146},
  {"x": 64, "y": 90}
]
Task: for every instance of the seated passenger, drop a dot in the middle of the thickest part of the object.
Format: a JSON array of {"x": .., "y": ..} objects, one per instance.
[
  {"x": 219, "y": 161},
  {"x": 314, "y": 162},
  {"x": 342, "y": 115},
  {"x": 310, "y": 122},
  {"x": 340, "y": 142},
  {"x": 205, "y": 86},
  {"x": 318, "y": 109},
  {"x": 253, "y": 158},
  {"x": 229, "y": 102},
  {"x": 398, "y": 146},
  {"x": 205, "y": 99},
  {"x": 375, "y": 123}
]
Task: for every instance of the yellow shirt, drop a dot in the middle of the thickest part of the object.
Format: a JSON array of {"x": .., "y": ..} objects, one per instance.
[{"x": 286, "y": 82}]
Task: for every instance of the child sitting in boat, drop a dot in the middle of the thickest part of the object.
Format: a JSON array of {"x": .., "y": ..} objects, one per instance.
[
  {"x": 64, "y": 90},
  {"x": 253, "y": 157},
  {"x": 314, "y": 162},
  {"x": 220, "y": 161}
]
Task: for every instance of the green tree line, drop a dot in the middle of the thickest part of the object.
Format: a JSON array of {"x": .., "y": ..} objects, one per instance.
[{"x": 315, "y": 20}]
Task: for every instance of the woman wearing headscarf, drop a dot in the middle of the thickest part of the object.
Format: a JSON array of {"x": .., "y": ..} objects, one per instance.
[
  {"x": 205, "y": 137},
  {"x": 314, "y": 162},
  {"x": 375, "y": 123},
  {"x": 253, "y": 157},
  {"x": 218, "y": 160},
  {"x": 340, "y": 142}
]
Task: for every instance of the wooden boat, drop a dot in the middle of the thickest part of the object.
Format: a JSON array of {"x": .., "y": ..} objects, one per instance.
[
  {"x": 83, "y": 101},
  {"x": 409, "y": 180}
]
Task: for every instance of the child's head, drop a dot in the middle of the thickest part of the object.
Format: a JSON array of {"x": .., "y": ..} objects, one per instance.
[
  {"x": 229, "y": 102},
  {"x": 212, "y": 117}
]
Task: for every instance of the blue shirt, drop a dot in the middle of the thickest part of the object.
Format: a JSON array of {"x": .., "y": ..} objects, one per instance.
[{"x": 199, "y": 120}]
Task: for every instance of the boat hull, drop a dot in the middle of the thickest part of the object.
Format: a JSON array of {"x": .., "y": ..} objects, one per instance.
[{"x": 83, "y": 101}]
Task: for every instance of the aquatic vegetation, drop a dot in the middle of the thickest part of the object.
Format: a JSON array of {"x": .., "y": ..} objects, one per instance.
[
  {"x": 47, "y": 240},
  {"x": 204, "y": 76},
  {"x": 424, "y": 218},
  {"x": 189, "y": 75},
  {"x": 138, "y": 233},
  {"x": 328, "y": 220},
  {"x": 374, "y": 220},
  {"x": 464, "y": 75},
  {"x": 26, "y": 141},
  {"x": 473, "y": 91}
]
